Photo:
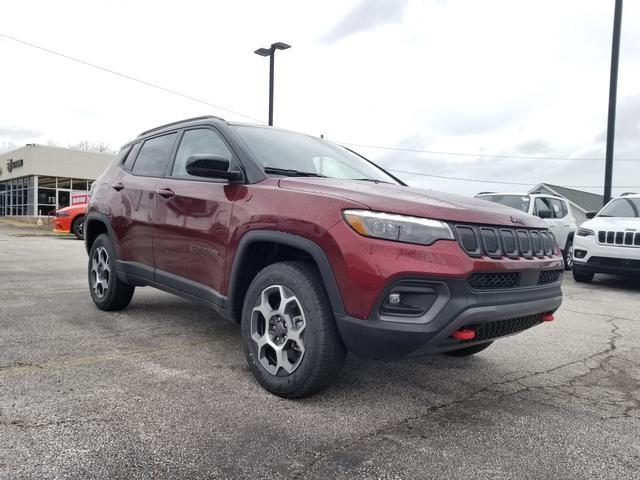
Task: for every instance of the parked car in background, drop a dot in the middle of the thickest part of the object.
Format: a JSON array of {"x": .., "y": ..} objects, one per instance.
[
  {"x": 70, "y": 220},
  {"x": 610, "y": 241},
  {"x": 313, "y": 249},
  {"x": 554, "y": 210}
]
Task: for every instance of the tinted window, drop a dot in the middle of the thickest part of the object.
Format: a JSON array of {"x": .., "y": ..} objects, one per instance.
[
  {"x": 622, "y": 207},
  {"x": 521, "y": 202},
  {"x": 131, "y": 157},
  {"x": 196, "y": 142},
  {"x": 154, "y": 156}
]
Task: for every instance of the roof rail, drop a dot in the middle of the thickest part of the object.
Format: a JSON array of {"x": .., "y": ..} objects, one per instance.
[
  {"x": 204, "y": 117},
  {"x": 627, "y": 193},
  {"x": 484, "y": 193}
]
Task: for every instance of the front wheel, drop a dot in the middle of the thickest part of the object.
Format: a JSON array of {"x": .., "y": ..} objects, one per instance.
[
  {"x": 107, "y": 290},
  {"x": 289, "y": 334},
  {"x": 77, "y": 227},
  {"x": 567, "y": 253},
  {"x": 582, "y": 277}
]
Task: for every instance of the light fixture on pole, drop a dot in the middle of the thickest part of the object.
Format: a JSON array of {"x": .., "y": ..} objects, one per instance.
[{"x": 270, "y": 52}]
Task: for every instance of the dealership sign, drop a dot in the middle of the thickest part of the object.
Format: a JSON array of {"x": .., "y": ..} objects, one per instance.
[
  {"x": 79, "y": 199},
  {"x": 11, "y": 164}
]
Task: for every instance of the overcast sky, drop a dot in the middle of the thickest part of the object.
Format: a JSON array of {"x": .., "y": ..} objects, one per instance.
[{"x": 513, "y": 77}]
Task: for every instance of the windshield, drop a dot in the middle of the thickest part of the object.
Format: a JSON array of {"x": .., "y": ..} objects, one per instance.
[
  {"x": 622, "y": 207},
  {"x": 520, "y": 202},
  {"x": 279, "y": 149}
]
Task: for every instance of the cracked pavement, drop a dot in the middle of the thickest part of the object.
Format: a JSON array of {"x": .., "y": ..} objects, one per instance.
[{"x": 161, "y": 390}]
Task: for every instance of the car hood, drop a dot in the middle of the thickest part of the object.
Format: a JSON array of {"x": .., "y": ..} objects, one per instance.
[
  {"x": 415, "y": 201},
  {"x": 619, "y": 224},
  {"x": 73, "y": 208}
]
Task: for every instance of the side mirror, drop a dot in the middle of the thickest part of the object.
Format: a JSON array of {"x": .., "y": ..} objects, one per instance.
[
  {"x": 544, "y": 213},
  {"x": 211, "y": 166},
  {"x": 590, "y": 214}
]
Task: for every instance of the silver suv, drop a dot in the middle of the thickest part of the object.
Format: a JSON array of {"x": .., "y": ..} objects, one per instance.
[{"x": 554, "y": 210}]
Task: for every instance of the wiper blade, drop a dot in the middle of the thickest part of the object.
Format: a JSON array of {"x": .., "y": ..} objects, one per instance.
[
  {"x": 291, "y": 173},
  {"x": 371, "y": 180}
]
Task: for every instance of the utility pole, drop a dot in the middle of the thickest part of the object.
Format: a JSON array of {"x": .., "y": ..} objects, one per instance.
[
  {"x": 270, "y": 52},
  {"x": 613, "y": 88}
]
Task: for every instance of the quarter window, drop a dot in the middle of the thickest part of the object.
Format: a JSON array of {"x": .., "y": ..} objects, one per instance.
[
  {"x": 154, "y": 156},
  {"x": 199, "y": 141},
  {"x": 131, "y": 156}
]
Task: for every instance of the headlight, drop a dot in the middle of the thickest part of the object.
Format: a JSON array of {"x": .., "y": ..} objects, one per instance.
[
  {"x": 423, "y": 231},
  {"x": 584, "y": 232},
  {"x": 62, "y": 214}
]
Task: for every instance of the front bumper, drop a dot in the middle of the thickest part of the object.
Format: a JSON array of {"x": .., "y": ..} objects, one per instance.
[
  {"x": 377, "y": 337},
  {"x": 592, "y": 257}
]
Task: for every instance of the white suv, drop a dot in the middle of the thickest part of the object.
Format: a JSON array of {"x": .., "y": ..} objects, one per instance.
[
  {"x": 610, "y": 241},
  {"x": 554, "y": 210}
]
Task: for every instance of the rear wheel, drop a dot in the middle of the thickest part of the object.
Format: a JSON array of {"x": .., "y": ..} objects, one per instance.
[
  {"x": 107, "y": 290},
  {"x": 582, "y": 277},
  {"x": 289, "y": 334},
  {"x": 465, "y": 352},
  {"x": 77, "y": 227}
]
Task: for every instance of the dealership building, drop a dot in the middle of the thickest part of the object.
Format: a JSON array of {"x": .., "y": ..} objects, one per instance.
[{"x": 38, "y": 179}]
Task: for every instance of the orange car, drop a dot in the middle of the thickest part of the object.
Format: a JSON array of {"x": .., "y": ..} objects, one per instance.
[{"x": 70, "y": 220}]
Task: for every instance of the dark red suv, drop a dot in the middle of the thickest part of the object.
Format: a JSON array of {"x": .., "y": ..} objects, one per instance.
[{"x": 313, "y": 249}]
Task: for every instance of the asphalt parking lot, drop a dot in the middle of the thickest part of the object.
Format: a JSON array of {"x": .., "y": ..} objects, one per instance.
[{"x": 162, "y": 390}]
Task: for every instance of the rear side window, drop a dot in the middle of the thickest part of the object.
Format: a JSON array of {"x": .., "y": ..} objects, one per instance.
[
  {"x": 559, "y": 208},
  {"x": 199, "y": 141},
  {"x": 154, "y": 156},
  {"x": 131, "y": 157}
]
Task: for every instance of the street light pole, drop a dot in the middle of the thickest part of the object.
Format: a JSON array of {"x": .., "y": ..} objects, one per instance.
[
  {"x": 270, "y": 52},
  {"x": 613, "y": 88}
]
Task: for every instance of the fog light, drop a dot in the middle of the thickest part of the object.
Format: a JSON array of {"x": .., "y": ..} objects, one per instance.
[
  {"x": 394, "y": 298},
  {"x": 579, "y": 253}
]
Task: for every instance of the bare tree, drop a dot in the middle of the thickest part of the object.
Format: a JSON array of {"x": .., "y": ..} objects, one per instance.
[
  {"x": 7, "y": 147},
  {"x": 90, "y": 146}
]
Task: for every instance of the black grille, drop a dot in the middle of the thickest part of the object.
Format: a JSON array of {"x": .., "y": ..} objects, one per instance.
[
  {"x": 549, "y": 276},
  {"x": 629, "y": 239},
  {"x": 497, "y": 242},
  {"x": 490, "y": 281},
  {"x": 500, "y": 328}
]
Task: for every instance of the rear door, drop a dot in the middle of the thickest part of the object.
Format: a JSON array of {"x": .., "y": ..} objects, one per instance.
[
  {"x": 191, "y": 220},
  {"x": 133, "y": 213}
]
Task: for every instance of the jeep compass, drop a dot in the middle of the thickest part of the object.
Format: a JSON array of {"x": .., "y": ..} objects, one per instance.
[{"x": 313, "y": 249}]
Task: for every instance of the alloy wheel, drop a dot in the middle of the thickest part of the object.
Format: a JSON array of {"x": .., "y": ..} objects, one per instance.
[
  {"x": 100, "y": 271},
  {"x": 277, "y": 330}
]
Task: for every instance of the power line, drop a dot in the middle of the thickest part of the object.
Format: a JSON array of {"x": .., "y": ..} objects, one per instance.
[
  {"x": 497, "y": 181},
  {"x": 489, "y": 155},
  {"x": 128, "y": 77}
]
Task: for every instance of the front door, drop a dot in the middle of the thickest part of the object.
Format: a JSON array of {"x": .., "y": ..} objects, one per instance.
[{"x": 191, "y": 221}]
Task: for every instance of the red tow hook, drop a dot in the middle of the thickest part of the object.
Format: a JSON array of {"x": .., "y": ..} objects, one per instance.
[
  {"x": 464, "y": 334},
  {"x": 548, "y": 317}
]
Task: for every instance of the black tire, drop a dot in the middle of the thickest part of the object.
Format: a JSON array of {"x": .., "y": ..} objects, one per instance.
[
  {"x": 582, "y": 277},
  {"x": 77, "y": 227},
  {"x": 324, "y": 353},
  {"x": 117, "y": 294},
  {"x": 472, "y": 350},
  {"x": 567, "y": 255}
]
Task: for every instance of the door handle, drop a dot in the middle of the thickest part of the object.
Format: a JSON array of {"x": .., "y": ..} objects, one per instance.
[
  {"x": 165, "y": 192},
  {"x": 117, "y": 186}
]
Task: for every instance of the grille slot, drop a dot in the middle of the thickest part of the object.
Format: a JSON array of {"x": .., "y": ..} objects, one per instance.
[
  {"x": 501, "y": 328},
  {"x": 627, "y": 239},
  {"x": 492, "y": 281},
  {"x": 496, "y": 242},
  {"x": 549, "y": 276}
]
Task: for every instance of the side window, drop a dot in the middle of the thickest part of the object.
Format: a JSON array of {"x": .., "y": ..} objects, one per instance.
[
  {"x": 154, "y": 156},
  {"x": 199, "y": 141},
  {"x": 542, "y": 204},
  {"x": 131, "y": 157},
  {"x": 559, "y": 208}
]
